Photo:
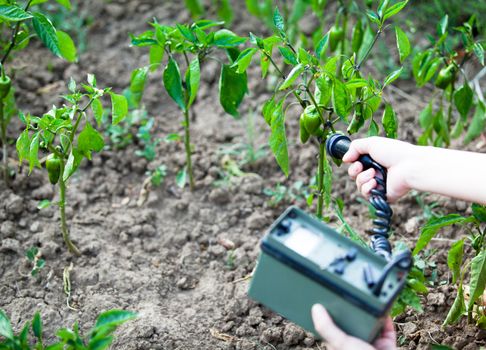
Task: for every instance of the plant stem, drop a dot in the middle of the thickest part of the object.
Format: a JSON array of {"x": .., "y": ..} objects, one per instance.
[
  {"x": 187, "y": 144},
  {"x": 302, "y": 103},
  {"x": 375, "y": 39},
  {"x": 3, "y": 122},
  {"x": 449, "y": 111},
  {"x": 62, "y": 210},
  {"x": 320, "y": 178},
  {"x": 14, "y": 36}
]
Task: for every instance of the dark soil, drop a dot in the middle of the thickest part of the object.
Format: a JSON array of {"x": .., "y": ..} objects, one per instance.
[{"x": 179, "y": 260}]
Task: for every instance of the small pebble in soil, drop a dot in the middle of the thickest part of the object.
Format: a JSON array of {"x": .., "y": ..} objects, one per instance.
[
  {"x": 14, "y": 204},
  {"x": 256, "y": 221},
  {"x": 436, "y": 299}
]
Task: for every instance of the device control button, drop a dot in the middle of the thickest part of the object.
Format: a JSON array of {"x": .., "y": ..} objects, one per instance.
[
  {"x": 339, "y": 270},
  {"x": 351, "y": 254},
  {"x": 286, "y": 224}
]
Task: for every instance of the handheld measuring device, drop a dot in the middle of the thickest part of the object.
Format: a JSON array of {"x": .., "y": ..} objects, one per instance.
[{"x": 303, "y": 262}]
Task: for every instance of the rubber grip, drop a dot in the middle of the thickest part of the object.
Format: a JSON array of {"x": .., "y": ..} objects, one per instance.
[{"x": 337, "y": 145}]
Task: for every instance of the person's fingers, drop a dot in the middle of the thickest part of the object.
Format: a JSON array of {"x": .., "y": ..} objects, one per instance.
[
  {"x": 326, "y": 328},
  {"x": 367, "y": 187},
  {"x": 388, "y": 338},
  {"x": 357, "y": 148},
  {"x": 354, "y": 169},
  {"x": 364, "y": 177}
]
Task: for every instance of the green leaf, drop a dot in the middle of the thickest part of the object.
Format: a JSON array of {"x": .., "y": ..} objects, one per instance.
[
  {"x": 267, "y": 110},
  {"x": 390, "y": 122},
  {"x": 442, "y": 25},
  {"x": 394, "y": 9},
  {"x": 66, "y": 46},
  {"x": 193, "y": 78},
  {"x": 91, "y": 80},
  {"x": 340, "y": 99},
  {"x": 173, "y": 83},
  {"x": 113, "y": 318},
  {"x": 156, "y": 55},
  {"x": 37, "y": 326},
  {"x": 392, "y": 77},
  {"x": 278, "y": 138},
  {"x": 323, "y": 90},
  {"x": 478, "y": 123},
  {"x": 65, "y": 3},
  {"x": 195, "y": 7},
  {"x": 288, "y": 55},
  {"x": 186, "y": 33},
  {"x": 373, "y": 17},
  {"x": 463, "y": 99},
  {"x": 373, "y": 130},
  {"x": 417, "y": 286},
  {"x": 23, "y": 146},
  {"x": 46, "y": 33},
  {"x": 72, "y": 164},
  {"x": 13, "y": 13},
  {"x": 479, "y": 52},
  {"x": 426, "y": 117},
  {"x": 119, "y": 108},
  {"x": 97, "y": 108},
  {"x": 478, "y": 278},
  {"x": 279, "y": 22},
  {"x": 100, "y": 343},
  {"x": 181, "y": 178},
  {"x": 457, "y": 308},
  {"x": 232, "y": 89},
  {"x": 432, "y": 227},
  {"x": 33, "y": 152},
  {"x": 403, "y": 44},
  {"x": 137, "y": 84},
  {"x": 226, "y": 39},
  {"x": 293, "y": 75},
  {"x": 45, "y": 203},
  {"x": 321, "y": 46},
  {"x": 479, "y": 212},
  {"x": 5, "y": 327},
  {"x": 244, "y": 60},
  {"x": 90, "y": 140},
  {"x": 225, "y": 11},
  {"x": 454, "y": 259}
]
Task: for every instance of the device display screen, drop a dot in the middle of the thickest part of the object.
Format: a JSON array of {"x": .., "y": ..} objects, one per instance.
[{"x": 303, "y": 241}]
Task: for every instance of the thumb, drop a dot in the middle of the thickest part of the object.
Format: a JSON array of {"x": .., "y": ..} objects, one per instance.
[
  {"x": 357, "y": 148},
  {"x": 326, "y": 328}
]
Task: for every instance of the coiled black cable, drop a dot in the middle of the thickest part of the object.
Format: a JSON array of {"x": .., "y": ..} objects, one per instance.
[
  {"x": 337, "y": 145},
  {"x": 383, "y": 211}
]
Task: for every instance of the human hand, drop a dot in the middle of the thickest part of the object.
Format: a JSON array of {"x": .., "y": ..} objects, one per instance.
[
  {"x": 396, "y": 156},
  {"x": 336, "y": 339}
]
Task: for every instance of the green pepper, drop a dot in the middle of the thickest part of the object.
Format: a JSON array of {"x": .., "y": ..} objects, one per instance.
[
  {"x": 5, "y": 85},
  {"x": 336, "y": 35},
  {"x": 53, "y": 166},
  {"x": 445, "y": 77},
  {"x": 304, "y": 134},
  {"x": 312, "y": 120}
]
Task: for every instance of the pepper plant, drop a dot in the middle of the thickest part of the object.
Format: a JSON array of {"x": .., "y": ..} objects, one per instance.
[
  {"x": 456, "y": 97},
  {"x": 193, "y": 44},
  {"x": 22, "y": 23},
  {"x": 31, "y": 336},
  {"x": 460, "y": 265},
  {"x": 330, "y": 96},
  {"x": 67, "y": 134}
]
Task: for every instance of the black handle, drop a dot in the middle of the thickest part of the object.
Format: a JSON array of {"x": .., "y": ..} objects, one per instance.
[{"x": 337, "y": 145}]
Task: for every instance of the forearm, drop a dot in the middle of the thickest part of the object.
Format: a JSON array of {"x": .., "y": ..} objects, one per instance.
[{"x": 457, "y": 174}]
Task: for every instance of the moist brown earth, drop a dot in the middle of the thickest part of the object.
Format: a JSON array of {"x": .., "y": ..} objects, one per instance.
[{"x": 181, "y": 260}]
